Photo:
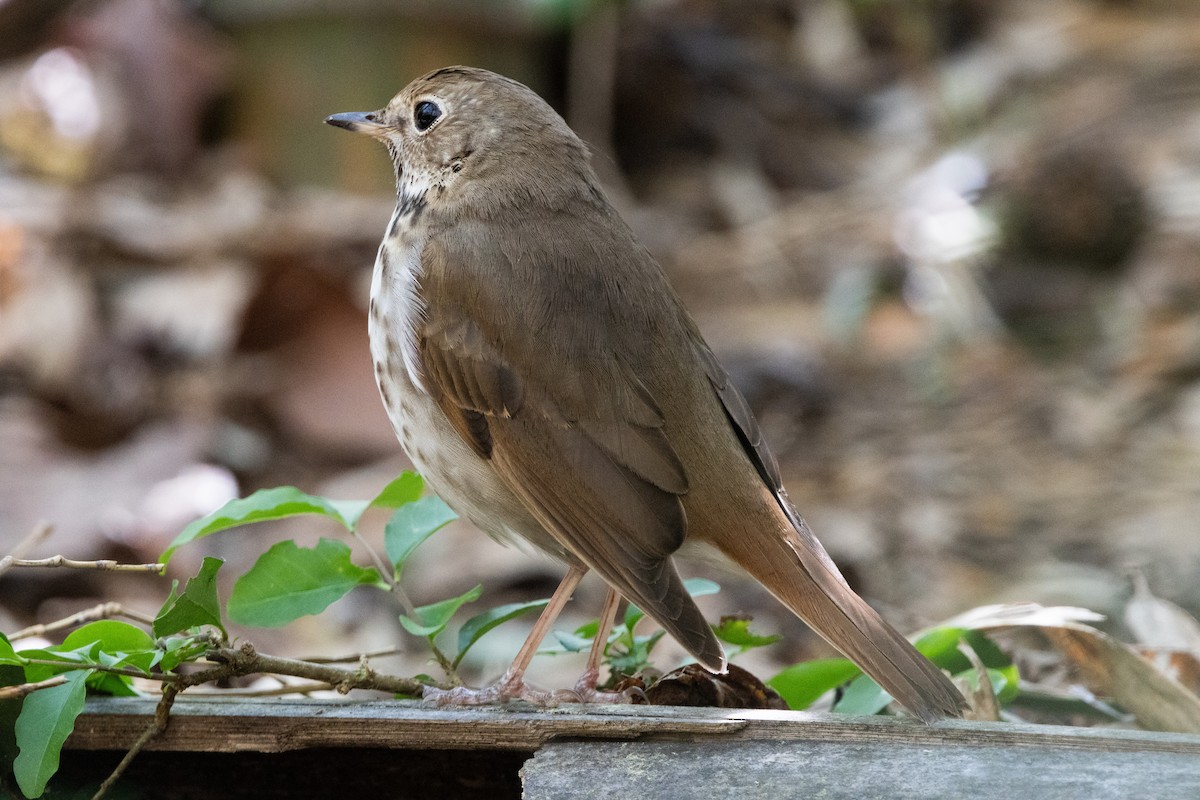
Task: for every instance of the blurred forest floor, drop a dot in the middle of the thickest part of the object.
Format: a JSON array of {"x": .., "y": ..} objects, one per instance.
[{"x": 949, "y": 250}]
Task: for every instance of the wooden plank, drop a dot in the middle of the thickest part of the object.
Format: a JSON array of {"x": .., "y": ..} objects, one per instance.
[
  {"x": 213, "y": 724},
  {"x": 844, "y": 770}
]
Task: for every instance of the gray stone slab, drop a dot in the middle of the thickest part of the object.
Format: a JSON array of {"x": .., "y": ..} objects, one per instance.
[{"x": 840, "y": 770}]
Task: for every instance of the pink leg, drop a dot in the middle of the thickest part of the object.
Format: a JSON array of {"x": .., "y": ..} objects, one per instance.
[
  {"x": 585, "y": 688},
  {"x": 511, "y": 685}
]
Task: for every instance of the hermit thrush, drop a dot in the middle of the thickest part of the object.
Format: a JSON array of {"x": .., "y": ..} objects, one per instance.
[{"x": 544, "y": 377}]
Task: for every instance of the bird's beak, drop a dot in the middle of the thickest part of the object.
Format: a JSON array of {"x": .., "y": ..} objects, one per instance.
[{"x": 359, "y": 122}]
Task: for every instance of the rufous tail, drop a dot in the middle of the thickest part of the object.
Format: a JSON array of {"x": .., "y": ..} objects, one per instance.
[{"x": 796, "y": 569}]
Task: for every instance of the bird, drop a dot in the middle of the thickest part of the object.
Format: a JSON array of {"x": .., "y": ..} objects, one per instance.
[{"x": 549, "y": 384}]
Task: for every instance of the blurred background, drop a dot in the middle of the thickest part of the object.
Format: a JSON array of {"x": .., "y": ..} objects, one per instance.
[{"x": 949, "y": 249}]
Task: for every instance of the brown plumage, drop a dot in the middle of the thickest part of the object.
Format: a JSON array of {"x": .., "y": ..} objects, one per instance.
[{"x": 548, "y": 382}]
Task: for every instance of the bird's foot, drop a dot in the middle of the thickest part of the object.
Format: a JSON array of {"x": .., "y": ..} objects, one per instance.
[
  {"x": 585, "y": 691},
  {"x": 513, "y": 687},
  {"x": 510, "y": 687}
]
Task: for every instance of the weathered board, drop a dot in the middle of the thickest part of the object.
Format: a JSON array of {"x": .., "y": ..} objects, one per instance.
[{"x": 663, "y": 752}]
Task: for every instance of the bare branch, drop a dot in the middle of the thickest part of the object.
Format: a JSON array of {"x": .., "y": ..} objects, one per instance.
[
  {"x": 278, "y": 691},
  {"x": 236, "y": 662},
  {"x": 246, "y": 661},
  {"x": 35, "y": 537},
  {"x": 105, "y": 565},
  {"x": 15, "y": 692},
  {"x": 102, "y": 611}
]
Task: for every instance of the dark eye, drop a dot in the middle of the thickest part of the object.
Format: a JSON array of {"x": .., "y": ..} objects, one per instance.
[{"x": 425, "y": 114}]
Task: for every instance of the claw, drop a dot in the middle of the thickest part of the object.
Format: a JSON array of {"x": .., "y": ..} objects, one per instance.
[
  {"x": 509, "y": 687},
  {"x": 513, "y": 687},
  {"x": 585, "y": 690}
]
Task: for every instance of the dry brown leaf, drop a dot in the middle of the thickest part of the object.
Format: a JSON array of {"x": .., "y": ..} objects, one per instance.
[
  {"x": 1115, "y": 669},
  {"x": 1005, "y": 615},
  {"x": 985, "y": 707},
  {"x": 1112, "y": 668},
  {"x": 1179, "y": 665}
]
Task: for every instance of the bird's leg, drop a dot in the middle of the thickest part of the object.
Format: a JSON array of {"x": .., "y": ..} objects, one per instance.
[
  {"x": 511, "y": 685},
  {"x": 585, "y": 690}
]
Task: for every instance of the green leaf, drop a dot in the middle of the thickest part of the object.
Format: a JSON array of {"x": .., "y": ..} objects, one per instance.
[
  {"x": 350, "y": 511},
  {"x": 477, "y": 626},
  {"x": 265, "y": 504},
  {"x": 179, "y": 649},
  {"x": 47, "y": 719},
  {"x": 109, "y": 683},
  {"x": 696, "y": 587},
  {"x": 801, "y": 684},
  {"x": 588, "y": 630},
  {"x": 113, "y": 636},
  {"x": 572, "y": 643},
  {"x": 68, "y": 659},
  {"x": 864, "y": 697},
  {"x": 403, "y": 490},
  {"x": 412, "y": 524},
  {"x": 999, "y": 679},
  {"x": 10, "y": 709},
  {"x": 197, "y": 606},
  {"x": 940, "y": 646},
  {"x": 433, "y": 619},
  {"x": 735, "y": 630},
  {"x": 110, "y": 643},
  {"x": 288, "y": 582},
  {"x": 637, "y": 657},
  {"x": 8, "y": 655},
  {"x": 1005, "y": 681}
]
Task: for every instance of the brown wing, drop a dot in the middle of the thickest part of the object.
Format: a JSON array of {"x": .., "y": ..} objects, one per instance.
[{"x": 543, "y": 394}]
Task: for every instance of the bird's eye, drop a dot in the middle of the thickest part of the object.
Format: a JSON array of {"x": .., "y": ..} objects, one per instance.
[{"x": 425, "y": 114}]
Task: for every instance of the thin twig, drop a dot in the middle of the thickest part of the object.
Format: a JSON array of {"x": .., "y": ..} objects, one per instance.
[
  {"x": 35, "y": 537},
  {"x": 14, "y": 692},
  {"x": 246, "y": 661},
  {"x": 137, "y": 616},
  {"x": 278, "y": 691},
  {"x": 391, "y": 651},
  {"x": 385, "y": 569},
  {"x": 102, "y": 611},
  {"x": 446, "y": 663},
  {"x": 132, "y": 672},
  {"x": 104, "y": 564},
  {"x": 162, "y": 716},
  {"x": 388, "y": 573},
  {"x": 230, "y": 663}
]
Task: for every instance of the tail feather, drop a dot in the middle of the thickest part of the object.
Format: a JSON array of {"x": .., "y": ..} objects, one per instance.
[
  {"x": 796, "y": 569},
  {"x": 679, "y": 616}
]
